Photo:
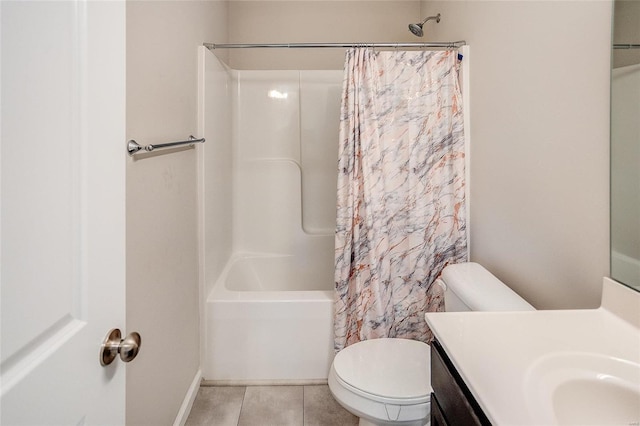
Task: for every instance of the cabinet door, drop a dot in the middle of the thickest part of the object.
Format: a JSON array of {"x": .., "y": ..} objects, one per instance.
[
  {"x": 437, "y": 417},
  {"x": 457, "y": 405}
]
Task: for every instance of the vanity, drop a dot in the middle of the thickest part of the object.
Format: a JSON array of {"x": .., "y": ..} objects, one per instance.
[{"x": 539, "y": 367}]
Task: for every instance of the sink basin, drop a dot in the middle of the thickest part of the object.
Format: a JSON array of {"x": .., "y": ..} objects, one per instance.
[{"x": 584, "y": 389}]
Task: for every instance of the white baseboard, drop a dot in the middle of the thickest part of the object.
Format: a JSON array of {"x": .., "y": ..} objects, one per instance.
[
  {"x": 284, "y": 382},
  {"x": 185, "y": 408}
]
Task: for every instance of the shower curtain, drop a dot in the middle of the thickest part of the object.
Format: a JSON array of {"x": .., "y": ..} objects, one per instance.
[{"x": 401, "y": 214}]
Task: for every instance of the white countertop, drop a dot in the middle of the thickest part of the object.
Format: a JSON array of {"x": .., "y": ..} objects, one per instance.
[{"x": 495, "y": 352}]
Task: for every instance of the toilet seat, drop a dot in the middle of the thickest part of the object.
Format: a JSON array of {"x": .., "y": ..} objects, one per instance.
[
  {"x": 381, "y": 399},
  {"x": 388, "y": 370}
]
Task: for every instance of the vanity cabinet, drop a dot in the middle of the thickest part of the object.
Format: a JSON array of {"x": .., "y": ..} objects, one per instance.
[{"x": 451, "y": 401}]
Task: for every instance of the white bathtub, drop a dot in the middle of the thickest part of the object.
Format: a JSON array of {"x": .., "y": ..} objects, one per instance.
[{"x": 260, "y": 330}]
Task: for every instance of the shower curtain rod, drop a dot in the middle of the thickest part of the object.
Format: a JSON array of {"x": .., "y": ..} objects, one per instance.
[
  {"x": 626, "y": 46},
  {"x": 439, "y": 45}
]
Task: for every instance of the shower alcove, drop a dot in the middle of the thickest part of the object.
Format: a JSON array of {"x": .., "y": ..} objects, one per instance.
[
  {"x": 267, "y": 221},
  {"x": 267, "y": 182}
]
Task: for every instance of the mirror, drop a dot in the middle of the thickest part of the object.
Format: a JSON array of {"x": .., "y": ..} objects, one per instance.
[{"x": 625, "y": 144}]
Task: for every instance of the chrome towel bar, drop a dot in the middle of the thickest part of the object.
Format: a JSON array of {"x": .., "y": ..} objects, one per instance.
[{"x": 134, "y": 147}]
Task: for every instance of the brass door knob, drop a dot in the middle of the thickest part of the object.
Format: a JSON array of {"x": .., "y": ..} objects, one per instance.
[{"x": 113, "y": 345}]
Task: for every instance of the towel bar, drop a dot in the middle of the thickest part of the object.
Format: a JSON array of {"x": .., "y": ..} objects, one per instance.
[{"x": 134, "y": 147}]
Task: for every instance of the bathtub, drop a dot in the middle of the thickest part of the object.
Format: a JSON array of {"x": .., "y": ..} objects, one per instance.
[{"x": 269, "y": 320}]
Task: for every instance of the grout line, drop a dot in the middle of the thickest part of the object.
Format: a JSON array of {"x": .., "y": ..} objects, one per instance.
[{"x": 244, "y": 395}]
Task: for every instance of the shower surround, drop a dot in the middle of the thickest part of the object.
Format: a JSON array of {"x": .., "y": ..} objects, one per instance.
[
  {"x": 267, "y": 218},
  {"x": 268, "y": 185}
]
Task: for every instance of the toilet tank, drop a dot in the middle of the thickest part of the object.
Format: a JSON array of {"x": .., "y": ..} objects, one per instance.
[{"x": 470, "y": 287}]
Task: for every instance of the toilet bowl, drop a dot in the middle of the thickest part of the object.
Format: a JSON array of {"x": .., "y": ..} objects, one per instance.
[
  {"x": 387, "y": 381},
  {"x": 383, "y": 381}
]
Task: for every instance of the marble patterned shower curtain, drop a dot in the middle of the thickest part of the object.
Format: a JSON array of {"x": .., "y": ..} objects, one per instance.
[{"x": 401, "y": 214}]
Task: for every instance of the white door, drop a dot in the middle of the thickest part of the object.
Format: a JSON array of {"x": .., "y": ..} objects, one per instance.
[{"x": 62, "y": 210}]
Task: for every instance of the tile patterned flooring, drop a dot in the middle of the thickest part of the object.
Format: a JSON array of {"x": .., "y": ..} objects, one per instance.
[{"x": 268, "y": 406}]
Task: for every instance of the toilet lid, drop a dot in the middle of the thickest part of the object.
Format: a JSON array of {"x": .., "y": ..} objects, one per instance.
[{"x": 390, "y": 368}]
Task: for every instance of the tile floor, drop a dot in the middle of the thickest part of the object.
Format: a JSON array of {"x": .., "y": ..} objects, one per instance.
[{"x": 268, "y": 406}]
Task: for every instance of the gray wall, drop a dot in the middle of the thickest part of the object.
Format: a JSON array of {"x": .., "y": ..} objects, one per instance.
[
  {"x": 313, "y": 21},
  {"x": 162, "y": 241},
  {"x": 539, "y": 142}
]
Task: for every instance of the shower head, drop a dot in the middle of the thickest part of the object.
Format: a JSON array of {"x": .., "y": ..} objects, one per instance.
[{"x": 416, "y": 29}]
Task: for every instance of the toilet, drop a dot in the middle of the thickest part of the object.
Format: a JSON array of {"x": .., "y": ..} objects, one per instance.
[{"x": 388, "y": 381}]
